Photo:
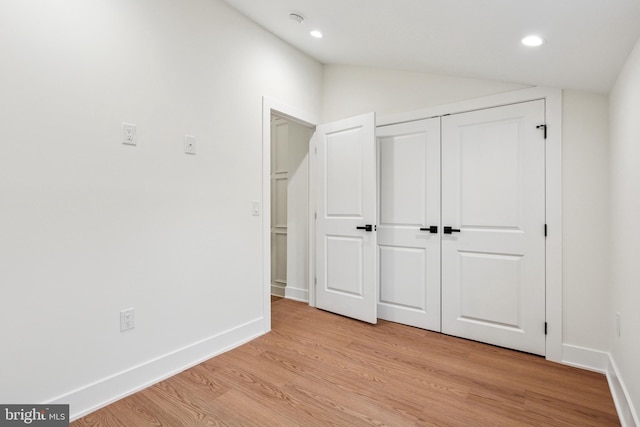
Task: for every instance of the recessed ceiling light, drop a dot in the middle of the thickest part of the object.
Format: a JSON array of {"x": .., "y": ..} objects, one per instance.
[
  {"x": 317, "y": 34},
  {"x": 532, "y": 41}
]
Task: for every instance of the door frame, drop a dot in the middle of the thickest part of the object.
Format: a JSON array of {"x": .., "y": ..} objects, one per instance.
[
  {"x": 553, "y": 187},
  {"x": 273, "y": 106}
]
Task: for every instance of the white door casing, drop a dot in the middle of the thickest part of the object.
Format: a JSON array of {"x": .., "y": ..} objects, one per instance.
[
  {"x": 345, "y": 200},
  {"x": 409, "y": 205},
  {"x": 493, "y": 191}
]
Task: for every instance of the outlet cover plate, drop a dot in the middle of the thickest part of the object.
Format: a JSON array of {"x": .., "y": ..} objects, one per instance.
[
  {"x": 129, "y": 134},
  {"x": 127, "y": 319}
]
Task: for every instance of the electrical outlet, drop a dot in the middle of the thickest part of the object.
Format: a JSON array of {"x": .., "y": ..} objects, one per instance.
[
  {"x": 190, "y": 144},
  {"x": 129, "y": 134},
  {"x": 127, "y": 319},
  {"x": 618, "y": 324}
]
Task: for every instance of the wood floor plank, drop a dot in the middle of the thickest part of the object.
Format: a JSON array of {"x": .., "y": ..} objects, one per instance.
[{"x": 319, "y": 369}]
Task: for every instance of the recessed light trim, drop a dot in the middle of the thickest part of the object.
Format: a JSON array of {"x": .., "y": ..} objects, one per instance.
[
  {"x": 533, "y": 41},
  {"x": 316, "y": 33}
]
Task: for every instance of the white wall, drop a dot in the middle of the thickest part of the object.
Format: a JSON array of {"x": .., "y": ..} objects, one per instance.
[
  {"x": 89, "y": 226},
  {"x": 298, "y": 213},
  {"x": 585, "y": 220},
  {"x": 352, "y": 90},
  {"x": 625, "y": 224}
]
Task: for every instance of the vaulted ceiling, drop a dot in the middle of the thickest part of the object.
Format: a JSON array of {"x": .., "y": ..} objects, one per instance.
[{"x": 587, "y": 41}]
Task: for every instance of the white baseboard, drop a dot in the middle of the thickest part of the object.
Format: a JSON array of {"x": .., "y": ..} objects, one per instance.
[
  {"x": 108, "y": 390},
  {"x": 626, "y": 412},
  {"x": 585, "y": 358},
  {"x": 296, "y": 294},
  {"x": 290, "y": 292},
  {"x": 602, "y": 362},
  {"x": 278, "y": 290}
]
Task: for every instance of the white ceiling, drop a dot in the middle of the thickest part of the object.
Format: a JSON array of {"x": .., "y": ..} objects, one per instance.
[{"x": 587, "y": 40}]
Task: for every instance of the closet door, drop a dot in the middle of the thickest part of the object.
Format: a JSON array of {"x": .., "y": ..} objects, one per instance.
[
  {"x": 493, "y": 201},
  {"x": 409, "y": 223},
  {"x": 345, "y": 208}
]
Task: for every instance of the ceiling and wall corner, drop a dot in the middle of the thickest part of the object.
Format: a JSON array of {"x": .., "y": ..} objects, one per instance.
[{"x": 587, "y": 41}]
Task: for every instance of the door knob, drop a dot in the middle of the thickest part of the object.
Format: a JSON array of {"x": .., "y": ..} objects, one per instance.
[
  {"x": 367, "y": 227},
  {"x": 449, "y": 230},
  {"x": 431, "y": 229}
]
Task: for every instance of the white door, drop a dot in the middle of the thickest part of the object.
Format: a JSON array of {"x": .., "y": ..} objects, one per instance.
[
  {"x": 493, "y": 199},
  {"x": 409, "y": 223},
  {"x": 345, "y": 206}
]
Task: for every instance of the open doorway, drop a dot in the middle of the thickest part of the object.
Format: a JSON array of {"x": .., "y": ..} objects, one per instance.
[
  {"x": 298, "y": 243},
  {"x": 289, "y": 182}
]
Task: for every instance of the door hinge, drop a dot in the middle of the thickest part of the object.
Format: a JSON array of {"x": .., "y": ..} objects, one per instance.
[
  {"x": 545, "y": 328},
  {"x": 545, "y": 230},
  {"x": 315, "y": 215},
  {"x": 315, "y": 150},
  {"x": 544, "y": 128},
  {"x": 315, "y": 280}
]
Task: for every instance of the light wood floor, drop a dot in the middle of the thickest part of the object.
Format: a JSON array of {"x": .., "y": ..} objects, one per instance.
[{"x": 318, "y": 369}]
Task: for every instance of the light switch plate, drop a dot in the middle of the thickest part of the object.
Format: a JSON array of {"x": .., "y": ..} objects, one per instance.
[
  {"x": 190, "y": 144},
  {"x": 255, "y": 208}
]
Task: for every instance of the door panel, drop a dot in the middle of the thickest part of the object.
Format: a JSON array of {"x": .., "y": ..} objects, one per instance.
[
  {"x": 344, "y": 277},
  {"x": 490, "y": 288},
  {"x": 343, "y": 173},
  {"x": 279, "y": 260},
  {"x": 493, "y": 269},
  {"x": 412, "y": 262},
  {"x": 490, "y": 175},
  {"x": 345, "y": 200},
  {"x": 280, "y": 202},
  {"x": 403, "y": 183},
  {"x": 409, "y": 259}
]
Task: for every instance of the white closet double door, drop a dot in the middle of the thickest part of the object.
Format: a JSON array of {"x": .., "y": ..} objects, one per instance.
[{"x": 459, "y": 246}]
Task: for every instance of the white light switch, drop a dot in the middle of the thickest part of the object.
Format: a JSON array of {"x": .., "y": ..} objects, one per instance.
[
  {"x": 255, "y": 208},
  {"x": 190, "y": 144}
]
